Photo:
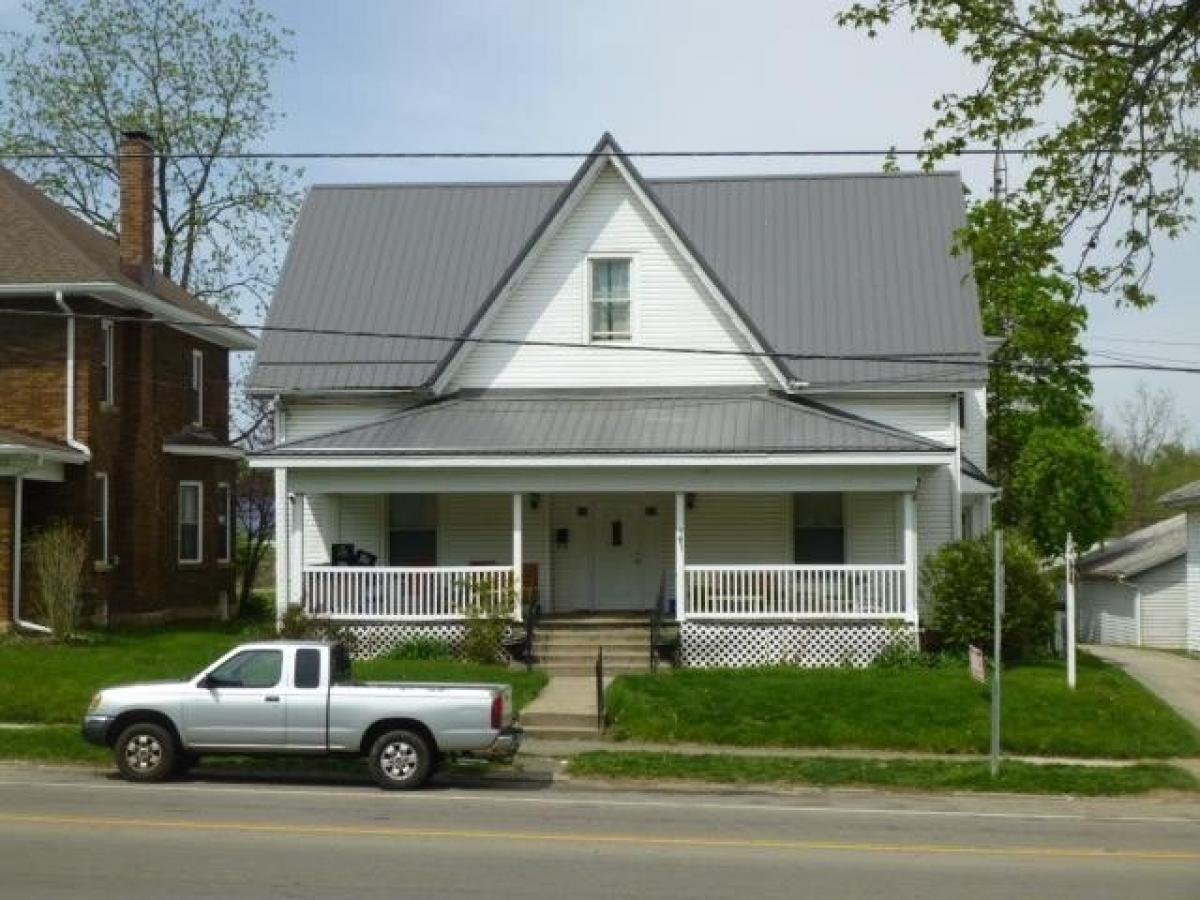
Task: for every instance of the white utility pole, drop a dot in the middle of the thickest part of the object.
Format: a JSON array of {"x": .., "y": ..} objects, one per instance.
[{"x": 1069, "y": 557}]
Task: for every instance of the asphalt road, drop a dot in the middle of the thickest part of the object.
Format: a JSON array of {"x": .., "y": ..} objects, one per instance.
[{"x": 79, "y": 834}]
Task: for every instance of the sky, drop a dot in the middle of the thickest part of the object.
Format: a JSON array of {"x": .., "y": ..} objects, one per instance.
[{"x": 660, "y": 75}]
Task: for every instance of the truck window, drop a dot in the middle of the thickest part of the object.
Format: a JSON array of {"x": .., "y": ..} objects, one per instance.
[
  {"x": 308, "y": 668},
  {"x": 249, "y": 669},
  {"x": 339, "y": 661}
]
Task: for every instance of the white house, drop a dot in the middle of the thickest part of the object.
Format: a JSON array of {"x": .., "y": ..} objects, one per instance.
[
  {"x": 1187, "y": 498},
  {"x": 755, "y": 403},
  {"x": 1133, "y": 590}
]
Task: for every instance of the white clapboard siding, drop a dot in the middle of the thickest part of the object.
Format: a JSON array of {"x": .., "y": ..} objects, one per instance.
[
  {"x": 670, "y": 308},
  {"x": 1164, "y": 605},
  {"x": 739, "y": 528},
  {"x": 1193, "y": 578},
  {"x": 361, "y": 521},
  {"x": 309, "y": 418},
  {"x": 477, "y": 529},
  {"x": 320, "y": 527},
  {"x": 873, "y": 524},
  {"x": 974, "y": 436},
  {"x": 935, "y": 511},
  {"x": 1107, "y": 612},
  {"x": 931, "y": 416}
]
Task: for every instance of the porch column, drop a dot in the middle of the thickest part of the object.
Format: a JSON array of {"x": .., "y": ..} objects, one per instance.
[
  {"x": 680, "y": 556},
  {"x": 296, "y": 508},
  {"x": 518, "y": 501},
  {"x": 283, "y": 556},
  {"x": 910, "y": 556}
]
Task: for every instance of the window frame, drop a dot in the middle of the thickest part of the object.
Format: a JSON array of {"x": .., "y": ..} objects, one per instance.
[
  {"x": 591, "y": 259},
  {"x": 179, "y": 523},
  {"x": 101, "y": 519},
  {"x": 225, "y": 511},
  {"x": 197, "y": 382},
  {"x": 108, "y": 362}
]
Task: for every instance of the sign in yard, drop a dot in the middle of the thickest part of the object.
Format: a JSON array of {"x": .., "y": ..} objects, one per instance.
[{"x": 977, "y": 668}]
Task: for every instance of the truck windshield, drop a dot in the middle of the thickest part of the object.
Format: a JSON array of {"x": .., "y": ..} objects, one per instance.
[{"x": 339, "y": 663}]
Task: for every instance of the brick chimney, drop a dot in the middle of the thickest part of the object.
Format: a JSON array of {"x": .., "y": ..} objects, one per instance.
[{"x": 135, "y": 236}]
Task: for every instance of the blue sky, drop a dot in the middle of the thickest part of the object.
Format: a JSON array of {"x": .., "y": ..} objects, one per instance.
[{"x": 541, "y": 74}]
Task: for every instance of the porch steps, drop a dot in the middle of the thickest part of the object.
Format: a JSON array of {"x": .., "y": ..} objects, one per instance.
[
  {"x": 564, "y": 711},
  {"x": 568, "y": 645}
]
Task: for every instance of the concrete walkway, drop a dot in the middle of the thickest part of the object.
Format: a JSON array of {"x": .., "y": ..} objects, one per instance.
[{"x": 1175, "y": 679}]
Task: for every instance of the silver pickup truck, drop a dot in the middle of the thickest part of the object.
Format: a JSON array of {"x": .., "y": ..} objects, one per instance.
[{"x": 298, "y": 698}]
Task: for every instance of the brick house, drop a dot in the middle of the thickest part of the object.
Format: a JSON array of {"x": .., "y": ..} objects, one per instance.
[{"x": 109, "y": 419}]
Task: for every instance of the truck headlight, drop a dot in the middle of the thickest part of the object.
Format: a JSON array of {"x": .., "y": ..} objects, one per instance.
[{"x": 95, "y": 704}]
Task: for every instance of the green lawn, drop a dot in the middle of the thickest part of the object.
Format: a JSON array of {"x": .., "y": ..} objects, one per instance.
[
  {"x": 938, "y": 710},
  {"x": 45, "y": 682},
  {"x": 903, "y": 773}
]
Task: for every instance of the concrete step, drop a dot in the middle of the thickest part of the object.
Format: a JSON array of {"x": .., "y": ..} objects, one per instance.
[
  {"x": 563, "y": 733},
  {"x": 575, "y": 644},
  {"x": 593, "y": 622},
  {"x": 558, "y": 720},
  {"x": 590, "y": 670},
  {"x": 591, "y": 634},
  {"x": 611, "y": 658}
]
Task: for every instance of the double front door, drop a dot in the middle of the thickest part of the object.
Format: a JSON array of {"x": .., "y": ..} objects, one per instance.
[{"x": 608, "y": 551}]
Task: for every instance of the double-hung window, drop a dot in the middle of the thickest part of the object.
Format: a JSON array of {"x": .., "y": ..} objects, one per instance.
[
  {"x": 610, "y": 299},
  {"x": 191, "y": 517},
  {"x": 108, "y": 361},
  {"x": 196, "y": 384},
  {"x": 818, "y": 529},
  {"x": 100, "y": 521},
  {"x": 224, "y": 523},
  {"x": 412, "y": 530}
]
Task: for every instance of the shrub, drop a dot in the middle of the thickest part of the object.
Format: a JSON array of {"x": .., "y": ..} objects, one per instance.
[
  {"x": 487, "y": 621},
  {"x": 899, "y": 652},
  {"x": 58, "y": 553},
  {"x": 422, "y": 648},
  {"x": 959, "y": 579},
  {"x": 297, "y": 625}
]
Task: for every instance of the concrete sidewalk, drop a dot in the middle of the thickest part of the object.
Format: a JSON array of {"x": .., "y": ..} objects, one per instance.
[{"x": 1175, "y": 679}]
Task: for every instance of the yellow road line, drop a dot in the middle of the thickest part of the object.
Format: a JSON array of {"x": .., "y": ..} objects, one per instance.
[{"x": 593, "y": 839}]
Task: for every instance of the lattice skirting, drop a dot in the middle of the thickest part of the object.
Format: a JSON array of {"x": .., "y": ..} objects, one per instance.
[
  {"x": 380, "y": 638},
  {"x": 810, "y": 645}
]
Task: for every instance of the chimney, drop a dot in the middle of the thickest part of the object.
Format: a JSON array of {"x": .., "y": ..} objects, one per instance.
[{"x": 135, "y": 236}]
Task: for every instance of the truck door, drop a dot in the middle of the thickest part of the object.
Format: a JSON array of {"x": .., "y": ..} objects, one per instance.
[
  {"x": 241, "y": 705},
  {"x": 305, "y": 700}
]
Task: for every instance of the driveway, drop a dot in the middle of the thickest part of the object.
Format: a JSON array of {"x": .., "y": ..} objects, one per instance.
[{"x": 1176, "y": 679}]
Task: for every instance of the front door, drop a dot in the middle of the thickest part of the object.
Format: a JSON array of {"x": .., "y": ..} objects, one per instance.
[
  {"x": 618, "y": 545},
  {"x": 241, "y": 706}
]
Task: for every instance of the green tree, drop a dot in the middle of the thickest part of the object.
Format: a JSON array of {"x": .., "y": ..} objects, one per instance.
[
  {"x": 197, "y": 77},
  {"x": 1064, "y": 482},
  {"x": 1117, "y": 163}
]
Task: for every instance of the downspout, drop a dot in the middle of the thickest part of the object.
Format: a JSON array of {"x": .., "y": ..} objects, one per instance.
[
  {"x": 71, "y": 441},
  {"x": 19, "y": 489}
]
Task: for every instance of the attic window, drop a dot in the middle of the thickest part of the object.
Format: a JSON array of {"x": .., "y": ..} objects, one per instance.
[{"x": 610, "y": 300}]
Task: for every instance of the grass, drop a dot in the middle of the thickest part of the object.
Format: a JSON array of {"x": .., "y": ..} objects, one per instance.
[
  {"x": 911, "y": 774},
  {"x": 938, "y": 710},
  {"x": 50, "y": 744},
  {"x": 51, "y": 683}
]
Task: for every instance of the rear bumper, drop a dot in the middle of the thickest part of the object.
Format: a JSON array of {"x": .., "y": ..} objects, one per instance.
[
  {"x": 95, "y": 730},
  {"x": 507, "y": 743}
]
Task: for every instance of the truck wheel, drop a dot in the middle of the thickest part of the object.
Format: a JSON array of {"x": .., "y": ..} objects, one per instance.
[
  {"x": 400, "y": 760},
  {"x": 145, "y": 752}
]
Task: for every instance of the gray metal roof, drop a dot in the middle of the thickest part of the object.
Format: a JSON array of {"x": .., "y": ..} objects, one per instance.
[
  {"x": 503, "y": 423},
  {"x": 833, "y": 264},
  {"x": 1138, "y": 551},
  {"x": 1188, "y": 495}
]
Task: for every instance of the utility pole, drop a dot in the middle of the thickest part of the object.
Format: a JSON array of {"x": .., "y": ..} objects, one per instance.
[
  {"x": 996, "y": 665},
  {"x": 1069, "y": 557}
]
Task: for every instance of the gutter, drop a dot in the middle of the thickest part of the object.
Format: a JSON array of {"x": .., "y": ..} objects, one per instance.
[{"x": 71, "y": 441}]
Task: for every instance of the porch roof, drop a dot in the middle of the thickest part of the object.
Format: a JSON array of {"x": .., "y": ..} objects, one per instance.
[
  {"x": 15, "y": 443},
  {"x": 507, "y": 423}
]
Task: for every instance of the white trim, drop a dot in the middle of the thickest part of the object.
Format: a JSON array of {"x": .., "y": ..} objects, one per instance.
[
  {"x": 283, "y": 557},
  {"x": 198, "y": 385},
  {"x": 103, "y": 518},
  {"x": 911, "y": 602},
  {"x": 108, "y": 360},
  {"x": 680, "y": 556},
  {"x": 518, "y": 554},
  {"x": 43, "y": 453},
  {"x": 600, "y": 461},
  {"x": 227, "y": 512},
  {"x": 229, "y": 337},
  {"x": 179, "y": 557},
  {"x": 957, "y": 411},
  {"x": 207, "y": 452}
]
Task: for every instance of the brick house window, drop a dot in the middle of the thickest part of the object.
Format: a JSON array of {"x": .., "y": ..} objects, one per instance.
[
  {"x": 191, "y": 515},
  {"x": 108, "y": 360},
  {"x": 224, "y": 523},
  {"x": 100, "y": 521},
  {"x": 196, "y": 385}
]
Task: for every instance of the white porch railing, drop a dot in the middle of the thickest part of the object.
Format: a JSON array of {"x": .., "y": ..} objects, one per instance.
[
  {"x": 394, "y": 594},
  {"x": 795, "y": 592}
]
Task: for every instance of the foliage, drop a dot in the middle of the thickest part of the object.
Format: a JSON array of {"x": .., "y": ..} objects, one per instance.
[
  {"x": 1118, "y": 162},
  {"x": 487, "y": 621},
  {"x": 255, "y": 514},
  {"x": 297, "y": 625},
  {"x": 258, "y": 608},
  {"x": 940, "y": 710},
  {"x": 59, "y": 552},
  {"x": 197, "y": 78},
  {"x": 959, "y": 579},
  {"x": 422, "y": 649},
  {"x": 1064, "y": 482},
  {"x": 918, "y": 774}
]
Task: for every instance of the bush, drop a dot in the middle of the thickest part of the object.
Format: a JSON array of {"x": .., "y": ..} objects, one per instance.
[
  {"x": 422, "y": 649},
  {"x": 297, "y": 625},
  {"x": 487, "y": 621},
  {"x": 58, "y": 553},
  {"x": 258, "y": 607},
  {"x": 959, "y": 579}
]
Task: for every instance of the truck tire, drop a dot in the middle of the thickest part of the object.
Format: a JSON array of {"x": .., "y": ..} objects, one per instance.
[
  {"x": 400, "y": 760},
  {"x": 145, "y": 752}
]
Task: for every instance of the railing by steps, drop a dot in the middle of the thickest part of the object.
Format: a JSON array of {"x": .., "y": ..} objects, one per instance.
[
  {"x": 397, "y": 594},
  {"x": 796, "y": 592}
]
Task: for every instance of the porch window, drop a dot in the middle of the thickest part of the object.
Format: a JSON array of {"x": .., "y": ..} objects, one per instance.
[
  {"x": 412, "y": 529},
  {"x": 610, "y": 300},
  {"x": 100, "y": 524},
  {"x": 224, "y": 523},
  {"x": 191, "y": 510},
  {"x": 818, "y": 529}
]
